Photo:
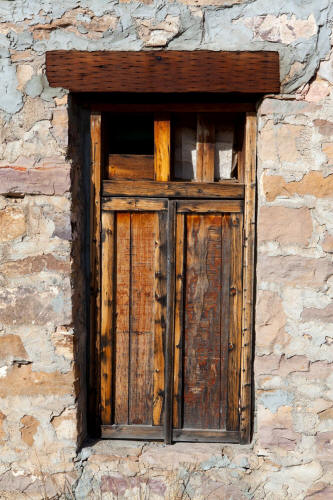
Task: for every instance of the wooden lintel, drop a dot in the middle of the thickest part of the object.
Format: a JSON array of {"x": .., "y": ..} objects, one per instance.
[{"x": 164, "y": 71}]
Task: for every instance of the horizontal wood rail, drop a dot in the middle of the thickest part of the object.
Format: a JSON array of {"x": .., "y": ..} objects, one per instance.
[
  {"x": 175, "y": 107},
  {"x": 227, "y": 189},
  {"x": 164, "y": 71},
  {"x": 132, "y": 432}
]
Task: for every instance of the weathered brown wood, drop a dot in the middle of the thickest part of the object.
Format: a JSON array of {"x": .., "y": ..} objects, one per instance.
[
  {"x": 248, "y": 273},
  {"x": 202, "y": 322},
  {"x": 95, "y": 218},
  {"x": 143, "y": 239},
  {"x": 171, "y": 238},
  {"x": 164, "y": 71},
  {"x": 227, "y": 189},
  {"x": 131, "y": 167},
  {"x": 176, "y": 107},
  {"x": 144, "y": 432},
  {"x": 134, "y": 204},
  {"x": 162, "y": 137},
  {"x": 225, "y": 315},
  {"x": 206, "y": 436},
  {"x": 235, "y": 331},
  {"x": 212, "y": 206},
  {"x": 122, "y": 290},
  {"x": 205, "y": 148},
  {"x": 160, "y": 294},
  {"x": 107, "y": 303},
  {"x": 179, "y": 319}
]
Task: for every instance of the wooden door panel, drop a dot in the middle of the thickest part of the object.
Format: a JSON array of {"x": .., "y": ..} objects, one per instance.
[
  {"x": 136, "y": 334},
  {"x": 207, "y": 318}
]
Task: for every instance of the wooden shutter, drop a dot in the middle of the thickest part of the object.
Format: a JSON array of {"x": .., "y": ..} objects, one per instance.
[
  {"x": 207, "y": 320},
  {"x": 133, "y": 317}
]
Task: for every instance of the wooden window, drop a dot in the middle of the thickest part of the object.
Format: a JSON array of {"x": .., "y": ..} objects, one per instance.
[{"x": 172, "y": 248}]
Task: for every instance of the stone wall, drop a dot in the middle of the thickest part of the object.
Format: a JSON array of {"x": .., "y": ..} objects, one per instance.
[{"x": 43, "y": 214}]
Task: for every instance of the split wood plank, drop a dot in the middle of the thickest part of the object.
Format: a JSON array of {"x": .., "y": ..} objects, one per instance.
[
  {"x": 205, "y": 148},
  {"x": 248, "y": 276},
  {"x": 211, "y": 206},
  {"x": 227, "y": 189},
  {"x": 205, "y": 436},
  {"x": 235, "y": 332},
  {"x": 202, "y": 322},
  {"x": 122, "y": 293},
  {"x": 128, "y": 167},
  {"x": 107, "y": 302},
  {"x": 135, "y": 204},
  {"x": 141, "y": 319},
  {"x": 162, "y": 138},
  {"x": 94, "y": 307},
  {"x": 179, "y": 319},
  {"x": 169, "y": 341},
  {"x": 160, "y": 298},
  {"x": 225, "y": 315},
  {"x": 140, "y": 432}
]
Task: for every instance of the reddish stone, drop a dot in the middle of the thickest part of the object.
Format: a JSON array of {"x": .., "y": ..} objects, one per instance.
[
  {"x": 287, "y": 226},
  {"x": 50, "y": 181},
  {"x": 29, "y": 429}
]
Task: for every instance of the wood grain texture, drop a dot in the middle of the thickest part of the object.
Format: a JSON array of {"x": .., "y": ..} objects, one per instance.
[
  {"x": 164, "y": 71},
  {"x": 141, "y": 318},
  {"x": 140, "y": 432},
  {"x": 122, "y": 333},
  {"x": 169, "y": 341},
  {"x": 235, "y": 331},
  {"x": 131, "y": 167},
  {"x": 94, "y": 242},
  {"x": 227, "y": 189},
  {"x": 176, "y": 107},
  {"x": 160, "y": 298},
  {"x": 162, "y": 146},
  {"x": 248, "y": 275},
  {"x": 179, "y": 321},
  {"x": 107, "y": 303},
  {"x": 202, "y": 322},
  {"x": 225, "y": 315},
  {"x": 206, "y": 436},
  {"x": 134, "y": 204},
  {"x": 205, "y": 148},
  {"x": 212, "y": 206}
]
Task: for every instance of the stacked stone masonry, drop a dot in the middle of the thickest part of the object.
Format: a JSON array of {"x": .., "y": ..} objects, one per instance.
[{"x": 42, "y": 333}]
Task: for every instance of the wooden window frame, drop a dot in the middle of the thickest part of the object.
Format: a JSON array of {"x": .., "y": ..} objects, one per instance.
[{"x": 162, "y": 187}]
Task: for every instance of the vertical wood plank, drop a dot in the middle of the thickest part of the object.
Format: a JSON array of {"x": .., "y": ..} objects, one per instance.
[
  {"x": 122, "y": 294},
  {"x": 94, "y": 308},
  {"x": 205, "y": 148},
  {"x": 162, "y": 138},
  {"x": 235, "y": 331},
  {"x": 107, "y": 316},
  {"x": 142, "y": 318},
  {"x": 248, "y": 272},
  {"x": 225, "y": 315},
  {"x": 202, "y": 322},
  {"x": 171, "y": 237},
  {"x": 160, "y": 272},
  {"x": 179, "y": 318}
]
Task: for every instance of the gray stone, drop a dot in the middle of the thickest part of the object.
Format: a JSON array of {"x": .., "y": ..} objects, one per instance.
[
  {"x": 34, "y": 86},
  {"x": 274, "y": 399}
]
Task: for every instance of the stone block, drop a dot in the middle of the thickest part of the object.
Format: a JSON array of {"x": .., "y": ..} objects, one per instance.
[
  {"x": 65, "y": 425},
  {"x": 12, "y": 349},
  {"x": 270, "y": 322},
  {"x": 12, "y": 223},
  {"x": 294, "y": 270},
  {"x": 314, "y": 314},
  {"x": 21, "y": 380},
  {"x": 314, "y": 183},
  {"x": 327, "y": 244},
  {"x": 29, "y": 426},
  {"x": 50, "y": 181},
  {"x": 286, "y": 226}
]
